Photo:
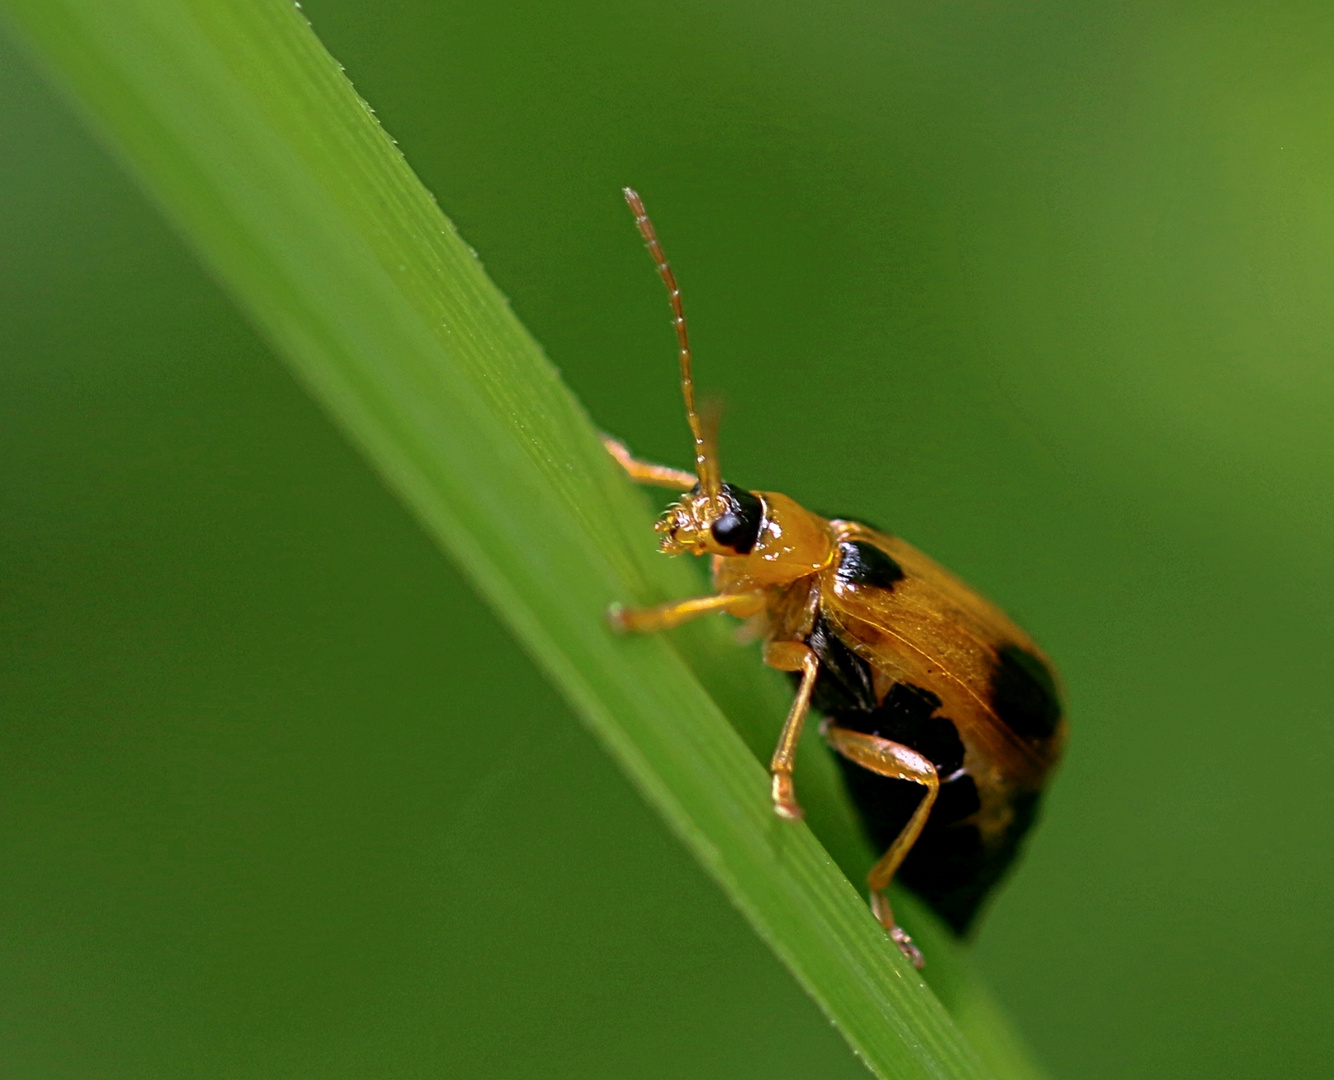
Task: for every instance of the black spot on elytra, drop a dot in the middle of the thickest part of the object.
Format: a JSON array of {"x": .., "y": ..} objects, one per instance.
[
  {"x": 739, "y": 525},
  {"x": 1023, "y": 694},
  {"x": 862, "y": 563}
]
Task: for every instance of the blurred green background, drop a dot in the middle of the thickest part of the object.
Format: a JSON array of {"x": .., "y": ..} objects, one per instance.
[{"x": 1043, "y": 288}]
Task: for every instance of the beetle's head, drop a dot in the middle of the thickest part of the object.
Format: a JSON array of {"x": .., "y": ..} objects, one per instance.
[
  {"x": 727, "y": 524},
  {"x": 759, "y": 539}
]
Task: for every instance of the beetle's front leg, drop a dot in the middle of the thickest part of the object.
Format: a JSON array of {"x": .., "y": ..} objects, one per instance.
[
  {"x": 645, "y": 472},
  {"x": 790, "y": 656},
  {"x": 665, "y": 616}
]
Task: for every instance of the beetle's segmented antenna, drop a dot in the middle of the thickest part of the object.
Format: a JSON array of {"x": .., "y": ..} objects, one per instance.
[{"x": 706, "y": 455}]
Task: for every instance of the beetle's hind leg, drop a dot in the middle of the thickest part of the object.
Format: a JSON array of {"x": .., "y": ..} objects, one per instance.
[
  {"x": 645, "y": 472},
  {"x": 898, "y": 762}
]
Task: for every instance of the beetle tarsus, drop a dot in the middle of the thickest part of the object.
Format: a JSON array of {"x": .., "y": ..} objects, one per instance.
[
  {"x": 900, "y": 938},
  {"x": 785, "y": 798},
  {"x": 880, "y": 908}
]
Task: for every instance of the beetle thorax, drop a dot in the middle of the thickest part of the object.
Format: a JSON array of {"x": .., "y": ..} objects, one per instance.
[{"x": 792, "y": 543}]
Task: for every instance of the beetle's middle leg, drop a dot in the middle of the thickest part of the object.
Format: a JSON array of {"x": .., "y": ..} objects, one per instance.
[
  {"x": 898, "y": 762},
  {"x": 790, "y": 656}
]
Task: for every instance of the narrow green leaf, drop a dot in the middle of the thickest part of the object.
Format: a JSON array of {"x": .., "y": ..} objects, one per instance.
[{"x": 244, "y": 130}]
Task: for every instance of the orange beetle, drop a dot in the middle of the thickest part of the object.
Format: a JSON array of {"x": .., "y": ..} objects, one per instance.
[{"x": 945, "y": 716}]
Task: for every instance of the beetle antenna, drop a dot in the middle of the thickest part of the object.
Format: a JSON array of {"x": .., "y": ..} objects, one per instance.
[{"x": 706, "y": 447}]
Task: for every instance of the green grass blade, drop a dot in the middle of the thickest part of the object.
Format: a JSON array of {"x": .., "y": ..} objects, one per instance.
[{"x": 244, "y": 130}]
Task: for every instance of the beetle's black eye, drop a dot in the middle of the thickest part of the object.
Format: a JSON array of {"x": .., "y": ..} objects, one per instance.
[{"x": 740, "y": 523}]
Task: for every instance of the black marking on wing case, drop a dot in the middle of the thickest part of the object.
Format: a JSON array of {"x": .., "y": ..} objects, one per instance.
[
  {"x": 1023, "y": 694},
  {"x": 862, "y": 563}
]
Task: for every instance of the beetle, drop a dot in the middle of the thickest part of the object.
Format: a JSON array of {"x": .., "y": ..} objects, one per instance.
[{"x": 945, "y": 717}]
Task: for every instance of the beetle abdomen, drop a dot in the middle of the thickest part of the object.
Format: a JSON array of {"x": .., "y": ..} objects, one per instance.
[{"x": 952, "y": 866}]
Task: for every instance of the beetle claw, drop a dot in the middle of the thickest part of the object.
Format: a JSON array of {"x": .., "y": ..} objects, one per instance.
[
  {"x": 880, "y": 909},
  {"x": 900, "y": 938}
]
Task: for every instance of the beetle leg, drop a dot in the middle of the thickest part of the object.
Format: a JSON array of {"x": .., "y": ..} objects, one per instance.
[
  {"x": 645, "y": 472},
  {"x": 665, "y": 616},
  {"x": 790, "y": 656},
  {"x": 898, "y": 762}
]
